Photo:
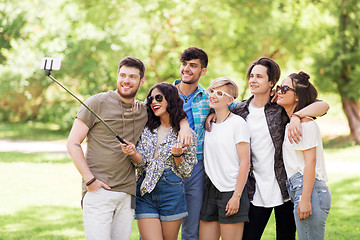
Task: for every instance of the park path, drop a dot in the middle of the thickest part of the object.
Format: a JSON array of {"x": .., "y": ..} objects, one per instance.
[
  {"x": 59, "y": 147},
  {"x": 7, "y": 145}
]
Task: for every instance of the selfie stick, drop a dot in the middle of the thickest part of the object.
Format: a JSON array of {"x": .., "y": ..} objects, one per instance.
[{"x": 47, "y": 73}]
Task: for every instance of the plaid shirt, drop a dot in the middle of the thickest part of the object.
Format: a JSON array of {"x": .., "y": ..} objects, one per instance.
[{"x": 200, "y": 109}]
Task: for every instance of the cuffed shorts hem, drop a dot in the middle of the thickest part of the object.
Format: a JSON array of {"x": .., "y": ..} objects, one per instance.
[
  {"x": 173, "y": 217},
  {"x": 162, "y": 218},
  {"x": 165, "y": 202},
  {"x": 146, "y": 215}
]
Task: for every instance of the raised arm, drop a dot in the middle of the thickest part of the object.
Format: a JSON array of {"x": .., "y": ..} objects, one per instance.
[
  {"x": 315, "y": 109},
  {"x": 76, "y": 137},
  {"x": 185, "y": 157},
  {"x": 185, "y": 136}
]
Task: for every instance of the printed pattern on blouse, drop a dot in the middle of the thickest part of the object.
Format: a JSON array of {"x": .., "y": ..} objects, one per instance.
[{"x": 154, "y": 167}]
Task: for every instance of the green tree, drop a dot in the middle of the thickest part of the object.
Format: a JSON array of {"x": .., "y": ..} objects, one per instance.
[
  {"x": 337, "y": 62},
  {"x": 23, "y": 91},
  {"x": 91, "y": 36},
  {"x": 12, "y": 20}
]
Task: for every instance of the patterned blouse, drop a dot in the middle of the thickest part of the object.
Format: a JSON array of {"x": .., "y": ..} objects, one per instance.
[{"x": 154, "y": 167}]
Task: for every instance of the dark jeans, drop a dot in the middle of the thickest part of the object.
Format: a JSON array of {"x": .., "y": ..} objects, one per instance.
[{"x": 259, "y": 216}]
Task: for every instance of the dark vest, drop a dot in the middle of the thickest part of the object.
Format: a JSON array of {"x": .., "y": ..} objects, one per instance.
[{"x": 277, "y": 119}]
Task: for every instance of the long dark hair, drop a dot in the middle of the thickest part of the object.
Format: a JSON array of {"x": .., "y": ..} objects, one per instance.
[
  {"x": 305, "y": 91},
  {"x": 174, "y": 107}
]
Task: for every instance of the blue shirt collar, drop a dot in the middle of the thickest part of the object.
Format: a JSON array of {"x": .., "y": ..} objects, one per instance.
[{"x": 200, "y": 89}]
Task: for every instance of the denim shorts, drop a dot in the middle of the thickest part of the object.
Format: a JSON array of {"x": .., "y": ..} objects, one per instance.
[
  {"x": 312, "y": 227},
  {"x": 214, "y": 204},
  {"x": 166, "y": 202}
]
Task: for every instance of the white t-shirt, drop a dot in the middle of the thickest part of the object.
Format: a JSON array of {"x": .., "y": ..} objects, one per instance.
[
  {"x": 267, "y": 190},
  {"x": 293, "y": 153},
  {"x": 220, "y": 155}
]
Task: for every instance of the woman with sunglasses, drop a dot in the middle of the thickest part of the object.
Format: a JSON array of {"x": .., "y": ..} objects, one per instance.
[
  {"x": 161, "y": 163},
  {"x": 227, "y": 161},
  {"x": 267, "y": 178},
  {"x": 304, "y": 161}
]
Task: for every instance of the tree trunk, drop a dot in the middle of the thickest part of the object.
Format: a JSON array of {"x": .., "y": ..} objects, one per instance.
[{"x": 351, "y": 110}]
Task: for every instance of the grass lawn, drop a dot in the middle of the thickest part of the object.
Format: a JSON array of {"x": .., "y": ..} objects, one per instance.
[
  {"x": 41, "y": 200},
  {"x": 40, "y": 193}
]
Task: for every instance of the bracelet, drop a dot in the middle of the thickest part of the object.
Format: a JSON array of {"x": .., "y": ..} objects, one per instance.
[
  {"x": 237, "y": 193},
  {"x": 91, "y": 181},
  {"x": 296, "y": 115},
  {"x": 176, "y": 156}
]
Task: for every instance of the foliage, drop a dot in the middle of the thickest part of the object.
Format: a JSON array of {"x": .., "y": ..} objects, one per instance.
[
  {"x": 337, "y": 59},
  {"x": 23, "y": 90},
  {"x": 91, "y": 36},
  {"x": 12, "y": 20},
  {"x": 337, "y": 67}
]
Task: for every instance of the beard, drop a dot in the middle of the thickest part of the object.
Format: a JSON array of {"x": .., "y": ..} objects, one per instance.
[
  {"x": 195, "y": 79},
  {"x": 128, "y": 95},
  {"x": 190, "y": 82}
]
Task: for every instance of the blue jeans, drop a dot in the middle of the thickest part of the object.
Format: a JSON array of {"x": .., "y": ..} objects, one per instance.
[
  {"x": 166, "y": 202},
  {"x": 194, "y": 189},
  {"x": 312, "y": 227}
]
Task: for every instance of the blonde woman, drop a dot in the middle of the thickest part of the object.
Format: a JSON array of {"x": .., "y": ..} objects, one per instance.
[{"x": 227, "y": 162}]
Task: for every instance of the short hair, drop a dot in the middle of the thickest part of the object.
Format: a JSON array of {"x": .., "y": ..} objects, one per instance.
[
  {"x": 195, "y": 53},
  {"x": 223, "y": 81},
  {"x": 273, "y": 69},
  {"x": 174, "y": 107},
  {"x": 304, "y": 90},
  {"x": 133, "y": 62}
]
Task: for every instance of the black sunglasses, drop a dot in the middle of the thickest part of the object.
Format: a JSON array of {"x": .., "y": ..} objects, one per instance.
[
  {"x": 158, "y": 97},
  {"x": 284, "y": 89}
]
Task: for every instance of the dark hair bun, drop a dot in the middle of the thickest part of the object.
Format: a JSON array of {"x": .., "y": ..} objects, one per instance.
[{"x": 304, "y": 75}]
